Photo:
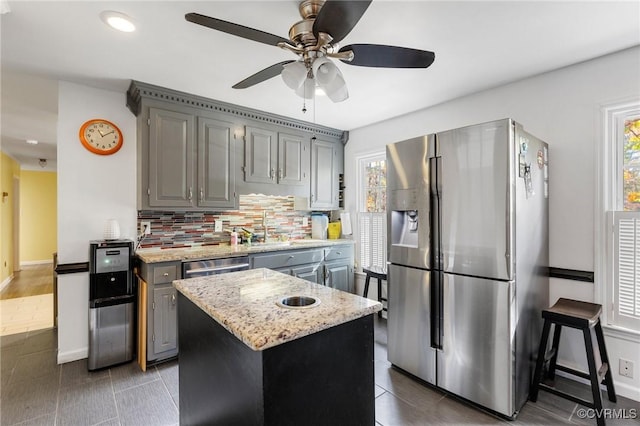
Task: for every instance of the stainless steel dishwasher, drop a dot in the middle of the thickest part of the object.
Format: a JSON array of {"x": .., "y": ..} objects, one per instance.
[{"x": 200, "y": 268}]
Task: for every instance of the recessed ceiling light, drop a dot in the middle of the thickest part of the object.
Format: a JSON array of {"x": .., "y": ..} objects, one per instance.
[
  {"x": 118, "y": 21},
  {"x": 32, "y": 142}
]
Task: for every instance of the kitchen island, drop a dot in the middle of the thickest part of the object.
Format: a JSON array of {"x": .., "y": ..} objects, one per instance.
[{"x": 247, "y": 360}]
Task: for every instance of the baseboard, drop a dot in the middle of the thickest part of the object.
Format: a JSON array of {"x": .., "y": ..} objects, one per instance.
[
  {"x": 622, "y": 389},
  {"x": 68, "y": 356},
  {"x": 6, "y": 282},
  {"x": 36, "y": 262}
]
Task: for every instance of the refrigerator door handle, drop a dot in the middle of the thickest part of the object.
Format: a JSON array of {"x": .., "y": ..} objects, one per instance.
[{"x": 436, "y": 310}]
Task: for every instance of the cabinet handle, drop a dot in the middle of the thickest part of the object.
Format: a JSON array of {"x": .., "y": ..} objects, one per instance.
[
  {"x": 272, "y": 174},
  {"x": 166, "y": 274},
  {"x": 291, "y": 256},
  {"x": 201, "y": 194},
  {"x": 280, "y": 174},
  {"x": 190, "y": 193},
  {"x": 338, "y": 253},
  {"x": 173, "y": 299}
]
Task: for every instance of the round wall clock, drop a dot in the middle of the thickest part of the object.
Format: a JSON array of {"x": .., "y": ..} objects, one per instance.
[{"x": 101, "y": 137}]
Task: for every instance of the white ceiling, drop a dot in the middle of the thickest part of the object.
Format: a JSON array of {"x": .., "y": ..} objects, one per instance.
[{"x": 478, "y": 45}]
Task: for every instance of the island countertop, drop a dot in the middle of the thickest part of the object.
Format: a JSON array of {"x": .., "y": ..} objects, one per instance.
[{"x": 244, "y": 303}]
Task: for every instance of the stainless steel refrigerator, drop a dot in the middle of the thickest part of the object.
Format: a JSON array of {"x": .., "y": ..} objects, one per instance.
[{"x": 468, "y": 260}]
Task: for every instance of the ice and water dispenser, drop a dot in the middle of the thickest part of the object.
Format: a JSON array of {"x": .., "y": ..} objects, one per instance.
[{"x": 111, "y": 303}]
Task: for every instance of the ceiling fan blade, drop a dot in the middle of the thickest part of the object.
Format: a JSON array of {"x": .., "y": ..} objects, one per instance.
[
  {"x": 338, "y": 17},
  {"x": 261, "y": 76},
  {"x": 378, "y": 55},
  {"x": 235, "y": 29}
]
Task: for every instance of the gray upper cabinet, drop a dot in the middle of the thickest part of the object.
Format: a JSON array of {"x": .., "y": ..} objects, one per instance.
[
  {"x": 293, "y": 159},
  {"x": 171, "y": 158},
  {"x": 187, "y": 166},
  {"x": 275, "y": 158},
  {"x": 190, "y": 159},
  {"x": 260, "y": 155},
  {"x": 326, "y": 164},
  {"x": 216, "y": 164}
]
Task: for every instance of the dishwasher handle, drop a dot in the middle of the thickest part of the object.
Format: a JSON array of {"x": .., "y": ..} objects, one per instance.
[{"x": 218, "y": 268}]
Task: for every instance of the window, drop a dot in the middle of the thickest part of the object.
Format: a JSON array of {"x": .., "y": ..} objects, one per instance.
[
  {"x": 620, "y": 199},
  {"x": 372, "y": 220},
  {"x": 626, "y": 228}
]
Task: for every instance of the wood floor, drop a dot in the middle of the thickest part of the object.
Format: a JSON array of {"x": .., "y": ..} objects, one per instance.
[
  {"x": 26, "y": 303},
  {"x": 33, "y": 280}
]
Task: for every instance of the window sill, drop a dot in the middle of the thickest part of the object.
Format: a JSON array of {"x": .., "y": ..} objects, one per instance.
[{"x": 621, "y": 333}]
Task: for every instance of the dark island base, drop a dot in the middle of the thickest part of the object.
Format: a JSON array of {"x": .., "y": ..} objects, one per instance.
[{"x": 326, "y": 378}]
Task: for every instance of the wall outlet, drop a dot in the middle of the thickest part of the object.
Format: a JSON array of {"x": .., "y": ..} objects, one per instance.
[
  {"x": 217, "y": 225},
  {"x": 145, "y": 228},
  {"x": 626, "y": 368},
  {"x": 305, "y": 221}
]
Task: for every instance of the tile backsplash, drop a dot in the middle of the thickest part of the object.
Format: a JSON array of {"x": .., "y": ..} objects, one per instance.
[{"x": 187, "y": 229}]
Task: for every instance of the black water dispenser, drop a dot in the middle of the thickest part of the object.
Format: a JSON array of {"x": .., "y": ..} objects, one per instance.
[{"x": 111, "y": 303}]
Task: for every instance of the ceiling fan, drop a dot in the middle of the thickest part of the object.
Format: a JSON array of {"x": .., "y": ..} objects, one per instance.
[{"x": 315, "y": 39}]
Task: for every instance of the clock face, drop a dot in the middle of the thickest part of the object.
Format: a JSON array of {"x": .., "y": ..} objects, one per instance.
[{"x": 101, "y": 137}]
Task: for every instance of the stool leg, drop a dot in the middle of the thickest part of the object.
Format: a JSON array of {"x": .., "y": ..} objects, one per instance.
[
  {"x": 537, "y": 375},
  {"x": 608, "y": 378},
  {"x": 366, "y": 286},
  {"x": 593, "y": 376},
  {"x": 557, "y": 329},
  {"x": 380, "y": 296}
]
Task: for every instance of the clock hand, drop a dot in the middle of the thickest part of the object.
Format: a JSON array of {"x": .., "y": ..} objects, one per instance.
[
  {"x": 101, "y": 135},
  {"x": 113, "y": 131}
]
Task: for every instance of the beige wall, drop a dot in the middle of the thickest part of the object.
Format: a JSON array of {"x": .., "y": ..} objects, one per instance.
[
  {"x": 8, "y": 169},
  {"x": 38, "y": 218}
]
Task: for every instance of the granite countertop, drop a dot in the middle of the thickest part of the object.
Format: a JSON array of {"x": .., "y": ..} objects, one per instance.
[
  {"x": 245, "y": 304},
  {"x": 156, "y": 255}
]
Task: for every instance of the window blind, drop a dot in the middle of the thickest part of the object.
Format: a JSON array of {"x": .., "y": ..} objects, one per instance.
[
  {"x": 373, "y": 239},
  {"x": 626, "y": 266}
]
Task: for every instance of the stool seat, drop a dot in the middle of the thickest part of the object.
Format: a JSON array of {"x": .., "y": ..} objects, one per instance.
[
  {"x": 573, "y": 312},
  {"x": 583, "y": 316},
  {"x": 380, "y": 273}
]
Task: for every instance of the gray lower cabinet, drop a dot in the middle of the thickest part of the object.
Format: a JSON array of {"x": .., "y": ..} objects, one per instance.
[
  {"x": 339, "y": 275},
  {"x": 164, "y": 337},
  {"x": 331, "y": 266},
  {"x": 157, "y": 312}
]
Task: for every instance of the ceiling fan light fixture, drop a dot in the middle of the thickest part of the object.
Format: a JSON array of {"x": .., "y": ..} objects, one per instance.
[
  {"x": 308, "y": 89},
  {"x": 337, "y": 90},
  {"x": 324, "y": 70},
  {"x": 294, "y": 74}
]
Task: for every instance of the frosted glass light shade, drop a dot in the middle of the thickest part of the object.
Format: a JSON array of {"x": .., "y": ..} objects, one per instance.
[
  {"x": 294, "y": 74},
  {"x": 337, "y": 89},
  {"x": 308, "y": 89},
  {"x": 324, "y": 71}
]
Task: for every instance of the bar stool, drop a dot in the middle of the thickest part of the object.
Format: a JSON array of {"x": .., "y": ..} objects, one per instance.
[
  {"x": 380, "y": 274},
  {"x": 582, "y": 316}
]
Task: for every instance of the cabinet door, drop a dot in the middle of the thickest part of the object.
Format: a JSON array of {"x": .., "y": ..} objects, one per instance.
[
  {"x": 216, "y": 162},
  {"x": 260, "y": 155},
  {"x": 324, "y": 176},
  {"x": 293, "y": 160},
  {"x": 171, "y": 158},
  {"x": 165, "y": 319},
  {"x": 311, "y": 273},
  {"x": 339, "y": 275}
]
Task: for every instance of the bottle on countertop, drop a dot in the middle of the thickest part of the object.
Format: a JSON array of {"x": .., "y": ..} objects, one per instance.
[{"x": 234, "y": 237}]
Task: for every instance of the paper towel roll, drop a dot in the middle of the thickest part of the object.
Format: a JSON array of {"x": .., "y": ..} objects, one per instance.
[{"x": 345, "y": 218}]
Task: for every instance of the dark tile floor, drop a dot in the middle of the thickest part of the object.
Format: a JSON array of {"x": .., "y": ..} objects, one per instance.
[{"x": 37, "y": 391}]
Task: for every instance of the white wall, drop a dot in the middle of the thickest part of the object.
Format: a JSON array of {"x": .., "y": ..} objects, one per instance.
[
  {"x": 562, "y": 108},
  {"x": 91, "y": 189}
]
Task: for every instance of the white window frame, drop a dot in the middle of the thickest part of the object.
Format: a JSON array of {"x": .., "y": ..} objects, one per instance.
[
  {"x": 609, "y": 159},
  {"x": 361, "y": 160}
]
